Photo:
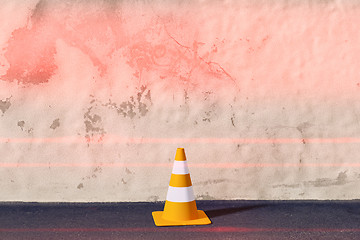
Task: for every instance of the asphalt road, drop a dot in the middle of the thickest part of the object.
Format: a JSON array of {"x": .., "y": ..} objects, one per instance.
[{"x": 230, "y": 220}]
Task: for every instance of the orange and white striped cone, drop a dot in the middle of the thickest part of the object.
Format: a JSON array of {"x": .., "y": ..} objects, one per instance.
[{"x": 180, "y": 206}]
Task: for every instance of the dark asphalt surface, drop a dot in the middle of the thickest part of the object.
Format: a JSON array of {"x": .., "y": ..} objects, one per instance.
[{"x": 230, "y": 220}]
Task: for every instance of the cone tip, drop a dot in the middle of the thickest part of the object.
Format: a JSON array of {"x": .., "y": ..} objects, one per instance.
[{"x": 180, "y": 154}]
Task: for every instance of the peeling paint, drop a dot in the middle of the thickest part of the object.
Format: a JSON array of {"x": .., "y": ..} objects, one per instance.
[
  {"x": 207, "y": 116},
  {"x": 5, "y": 105},
  {"x": 135, "y": 106},
  {"x": 93, "y": 175},
  {"x": 128, "y": 171},
  {"x": 90, "y": 127},
  {"x": 148, "y": 96},
  {"x": 210, "y": 111},
  {"x": 93, "y": 124},
  {"x": 21, "y": 124},
  {"x": 123, "y": 181},
  {"x": 30, "y": 130},
  {"x": 55, "y": 124},
  {"x": 232, "y": 120},
  {"x": 142, "y": 107}
]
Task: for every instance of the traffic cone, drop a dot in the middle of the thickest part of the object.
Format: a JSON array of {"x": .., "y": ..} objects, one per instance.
[{"x": 180, "y": 206}]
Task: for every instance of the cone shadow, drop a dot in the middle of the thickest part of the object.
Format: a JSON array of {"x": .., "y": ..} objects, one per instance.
[{"x": 226, "y": 211}]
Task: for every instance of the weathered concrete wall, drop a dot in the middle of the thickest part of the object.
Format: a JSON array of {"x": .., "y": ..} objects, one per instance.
[{"x": 95, "y": 97}]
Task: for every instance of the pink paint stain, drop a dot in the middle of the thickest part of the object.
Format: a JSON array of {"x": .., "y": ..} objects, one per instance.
[
  {"x": 262, "y": 49},
  {"x": 99, "y": 31},
  {"x": 31, "y": 49},
  {"x": 30, "y": 54}
]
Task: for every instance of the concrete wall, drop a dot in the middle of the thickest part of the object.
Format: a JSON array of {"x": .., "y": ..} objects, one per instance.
[{"x": 95, "y": 97}]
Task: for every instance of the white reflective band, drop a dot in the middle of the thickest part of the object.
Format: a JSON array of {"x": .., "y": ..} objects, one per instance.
[
  {"x": 180, "y": 194},
  {"x": 180, "y": 167}
]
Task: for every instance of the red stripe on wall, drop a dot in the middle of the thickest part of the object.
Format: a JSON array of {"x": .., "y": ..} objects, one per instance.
[
  {"x": 191, "y": 165},
  {"x": 122, "y": 140}
]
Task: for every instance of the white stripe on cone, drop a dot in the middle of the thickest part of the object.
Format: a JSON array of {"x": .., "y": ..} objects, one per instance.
[
  {"x": 180, "y": 194},
  {"x": 180, "y": 167}
]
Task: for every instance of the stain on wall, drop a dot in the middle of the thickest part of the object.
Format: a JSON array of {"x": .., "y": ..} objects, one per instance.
[{"x": 324, "y": 182}]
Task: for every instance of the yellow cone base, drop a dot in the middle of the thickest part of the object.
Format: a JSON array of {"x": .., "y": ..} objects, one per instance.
[{"x": 201, "y": 220}]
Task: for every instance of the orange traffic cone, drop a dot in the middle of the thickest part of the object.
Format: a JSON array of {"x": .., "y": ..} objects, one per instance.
[{"x": 180, "y": 206}]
